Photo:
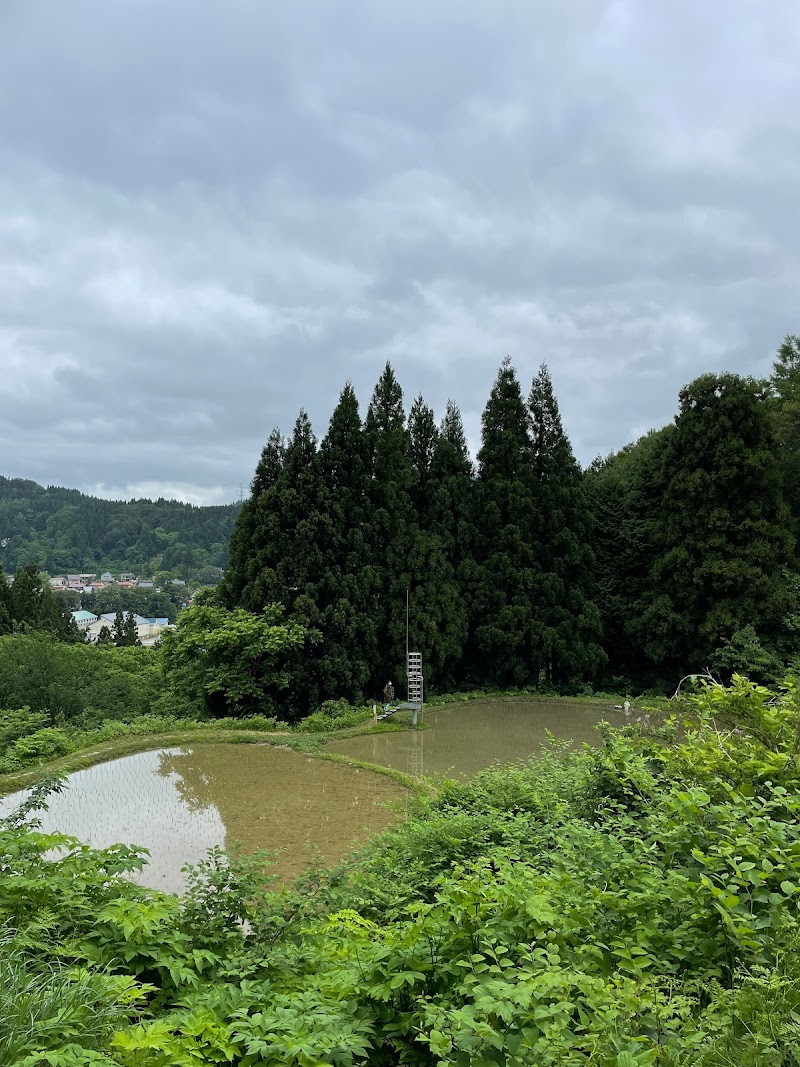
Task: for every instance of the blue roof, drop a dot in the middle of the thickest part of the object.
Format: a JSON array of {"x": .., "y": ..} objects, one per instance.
[{"x": 84, "y": 616}]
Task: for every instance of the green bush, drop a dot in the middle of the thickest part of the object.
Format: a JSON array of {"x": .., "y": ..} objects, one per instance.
[
  {"x": 334, "y": 715},
  {"x": 42, "y": 744}
]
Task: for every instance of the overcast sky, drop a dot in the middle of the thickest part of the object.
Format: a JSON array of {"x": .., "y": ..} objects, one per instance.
[{"x": 212, "y": 214}]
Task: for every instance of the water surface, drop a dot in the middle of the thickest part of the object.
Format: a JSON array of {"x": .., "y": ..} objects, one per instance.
[
  {"x": 180, "y": 802},
  {"x": 461, "y": 739}
]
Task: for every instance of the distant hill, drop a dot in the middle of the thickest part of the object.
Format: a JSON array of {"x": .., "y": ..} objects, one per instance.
[{"x": 66, "y": 530}]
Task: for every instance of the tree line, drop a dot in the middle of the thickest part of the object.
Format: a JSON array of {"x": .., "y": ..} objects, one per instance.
[
  {"x": 64, "y": 530},
  {"x": 673, "y": 555}
]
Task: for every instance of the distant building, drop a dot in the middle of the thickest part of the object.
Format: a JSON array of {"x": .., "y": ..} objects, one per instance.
[
  {"x": 125, "y": 577},
  {"x": 107, "y": 577},
  {"x": 58, "y": 582},
  {"x": 147, "y": 630},
  {"x": 146, "y": 585},
  {"x": 84, "y": 619}
]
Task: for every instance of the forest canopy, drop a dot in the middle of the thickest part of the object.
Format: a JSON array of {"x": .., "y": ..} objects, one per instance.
[
  {"x": 675, "y": 555},
  {"x": 63, "y": 530}
]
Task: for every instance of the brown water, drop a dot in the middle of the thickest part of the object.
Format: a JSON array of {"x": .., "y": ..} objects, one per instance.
[
  {"x": 180, "y": 802},
  {"x": 461, "y": 739}
]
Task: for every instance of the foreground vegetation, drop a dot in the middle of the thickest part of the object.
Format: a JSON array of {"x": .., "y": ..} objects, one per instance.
[{"x": 633, "y": 905}]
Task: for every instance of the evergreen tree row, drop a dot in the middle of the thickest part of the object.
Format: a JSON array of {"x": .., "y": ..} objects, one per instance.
[
  {"x": 673, "y": 556},
  {"x": 496, "y": 556},
  {"x": 695, "y": 530},
  {"x": 28, "y": 604}
]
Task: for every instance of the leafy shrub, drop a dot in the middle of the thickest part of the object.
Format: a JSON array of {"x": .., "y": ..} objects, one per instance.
[
  {"x": 42, "y": 744},
  {"x": 334, "y": 715}
]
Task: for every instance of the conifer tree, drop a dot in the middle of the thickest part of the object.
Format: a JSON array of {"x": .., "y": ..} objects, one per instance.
[
  {"x": 507, "y": 573},
  {"x": 251, "y": 539},
  {"x": 391, "y": 521},
  {"x": 129, "y": 631},
  {"x": 786, "y": 386},
  {"x": 451, "y": 517},
  {"x": 438, "y": 614},
  {"x": 348, "y": 653},
  {"x": 567, "y": 628},
  {"x": 118, "y": 629},
  {"x": 723, "y": 529},
  {"x": 6, "y": 617}
]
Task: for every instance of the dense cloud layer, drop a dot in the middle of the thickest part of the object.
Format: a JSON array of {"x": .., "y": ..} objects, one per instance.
[{"x": 212, "y": 214}]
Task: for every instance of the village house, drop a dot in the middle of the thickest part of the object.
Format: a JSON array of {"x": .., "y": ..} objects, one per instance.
[
  {"x": 147, "y": 630},
  {"x": 84, "y": 619}
]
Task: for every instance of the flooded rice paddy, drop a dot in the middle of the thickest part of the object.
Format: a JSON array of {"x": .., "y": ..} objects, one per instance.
[
  {"x": 180, "y": 802},
  {"x": 461, "y": 739}
]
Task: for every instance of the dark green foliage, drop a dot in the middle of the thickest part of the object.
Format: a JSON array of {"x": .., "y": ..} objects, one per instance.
[
  {"x": 525, "y": 571},
  {"x": 449, "y": 510},
  {"x": 27, "y": 603},
  {"x": 393, "y": 523},
  {"x": 507, "y": 569},
  {"x": 620, "y": 492},
  {"x": 349, "y": 585},
  {"x": 79, "y": 684},
  {"x": 438, "y": 613},
  {"x": 567, "y": 628},
  {"x": 250, "y": 551},
  {"x": 786, "y": 409},
  {"x": 231, "y": 662},
  {"x": 723, "y": 530},
  {"x": 64, "y": 530},
  {"x": 342, "y": 534}
]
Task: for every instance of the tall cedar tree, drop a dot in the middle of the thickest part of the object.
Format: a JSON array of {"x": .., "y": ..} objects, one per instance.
[
  {"x": 250, "y": 545},
  {"x": 507, "y": 573},
  {"x": 437, "y": 611},
  {"x": 451, "y": 511},
  {"x": 30, "y": 604},
  {"x": 723, "y": 532},
  {"x": 348, "y": 653},
  {"x": 6, "y": 616},
  {"x": 393, "y": 523},
  {"x": 566, "y": 629},
  {"x": 786, "y": 387},
  {"x": 624, "y": 498}
]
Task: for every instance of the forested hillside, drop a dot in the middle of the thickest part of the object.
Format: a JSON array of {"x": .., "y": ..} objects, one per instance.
[
  {"x": 65, "y": 530},
  {"x": 675, "y": 555}
]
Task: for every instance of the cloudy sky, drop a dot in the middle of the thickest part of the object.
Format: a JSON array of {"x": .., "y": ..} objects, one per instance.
[{"x": 214, "y": 213}]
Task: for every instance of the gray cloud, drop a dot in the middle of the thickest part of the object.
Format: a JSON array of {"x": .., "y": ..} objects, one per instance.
[{"x": 213, "y": 214}]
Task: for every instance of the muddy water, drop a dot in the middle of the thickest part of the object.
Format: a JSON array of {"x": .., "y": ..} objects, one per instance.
[
  {"x": 178, "y": 803},
  {"x": 461, "y": 739}
]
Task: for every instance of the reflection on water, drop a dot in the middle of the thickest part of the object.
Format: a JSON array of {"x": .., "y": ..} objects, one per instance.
[
  {"x": 464, "y": 738},
  {"x": 178, "y": 803}
]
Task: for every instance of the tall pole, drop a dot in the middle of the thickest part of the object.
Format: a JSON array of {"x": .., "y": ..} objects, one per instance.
[{"x": 406, "y": 630}]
